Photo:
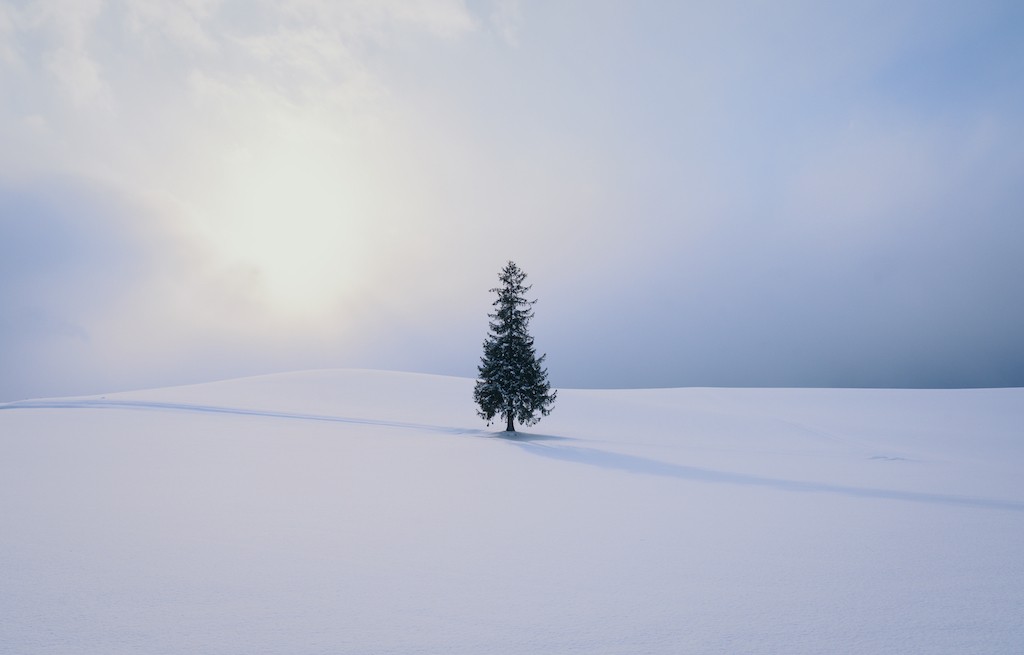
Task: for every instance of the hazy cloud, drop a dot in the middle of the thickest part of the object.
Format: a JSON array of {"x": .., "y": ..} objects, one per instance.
[
  {"x": 703, "y": 193},
  {"x": 507, "y": 18}
]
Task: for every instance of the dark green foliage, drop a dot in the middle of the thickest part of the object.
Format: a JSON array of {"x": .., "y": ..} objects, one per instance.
[{"x": 511, "y": 381}]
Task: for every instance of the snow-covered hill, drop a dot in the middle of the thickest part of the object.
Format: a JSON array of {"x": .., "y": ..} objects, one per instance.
[{"x": 371, "y": 512}]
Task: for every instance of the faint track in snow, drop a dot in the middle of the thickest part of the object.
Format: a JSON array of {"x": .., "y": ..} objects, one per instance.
[{"x": 103, "y": 403}]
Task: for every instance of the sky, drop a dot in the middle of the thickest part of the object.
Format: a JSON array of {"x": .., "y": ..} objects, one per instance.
[{"x": 702, "y": 194}]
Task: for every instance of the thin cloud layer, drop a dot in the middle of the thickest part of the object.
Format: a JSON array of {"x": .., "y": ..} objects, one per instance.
[{"x": 703, "y": 194}]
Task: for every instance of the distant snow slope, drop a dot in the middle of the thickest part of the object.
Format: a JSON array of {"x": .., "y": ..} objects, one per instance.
[{"x": 371, "y": 512}]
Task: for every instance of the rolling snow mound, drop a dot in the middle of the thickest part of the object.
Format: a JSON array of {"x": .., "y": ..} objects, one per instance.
[{"x": 348, "y": 511}]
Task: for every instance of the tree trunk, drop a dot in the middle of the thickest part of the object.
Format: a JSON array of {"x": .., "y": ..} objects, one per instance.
[{"x": 509, "y": 427}]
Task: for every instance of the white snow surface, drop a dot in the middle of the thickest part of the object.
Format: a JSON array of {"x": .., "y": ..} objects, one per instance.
[{"x": 372, "y": 512}]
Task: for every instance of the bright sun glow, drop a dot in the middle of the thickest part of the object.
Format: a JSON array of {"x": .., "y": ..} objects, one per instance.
[{"x": 288, "y": 209}]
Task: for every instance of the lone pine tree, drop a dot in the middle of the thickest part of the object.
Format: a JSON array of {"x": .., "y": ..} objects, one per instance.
[{"x": 511, "y": 382}]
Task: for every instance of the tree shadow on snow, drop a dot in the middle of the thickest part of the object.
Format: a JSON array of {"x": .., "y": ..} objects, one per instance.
[
  {"x": 527, "y": 437},
  {"x": 642, "y": 465}
]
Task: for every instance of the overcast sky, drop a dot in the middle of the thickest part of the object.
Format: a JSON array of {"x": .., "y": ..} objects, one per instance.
[{"x": 702, "y": 193}]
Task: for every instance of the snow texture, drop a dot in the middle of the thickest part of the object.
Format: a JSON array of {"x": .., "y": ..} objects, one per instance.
[{"x": 367, "y": 512}]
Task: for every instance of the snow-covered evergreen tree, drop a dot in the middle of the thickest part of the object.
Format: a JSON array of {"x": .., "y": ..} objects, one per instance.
[{"x": 512, "y": 382}]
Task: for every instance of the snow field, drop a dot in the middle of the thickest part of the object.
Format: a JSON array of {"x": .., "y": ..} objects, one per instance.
[{"x": 371, "y": 512}]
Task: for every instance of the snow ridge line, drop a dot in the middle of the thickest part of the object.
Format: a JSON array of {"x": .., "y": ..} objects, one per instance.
[{"x": 216, "y": 409}]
